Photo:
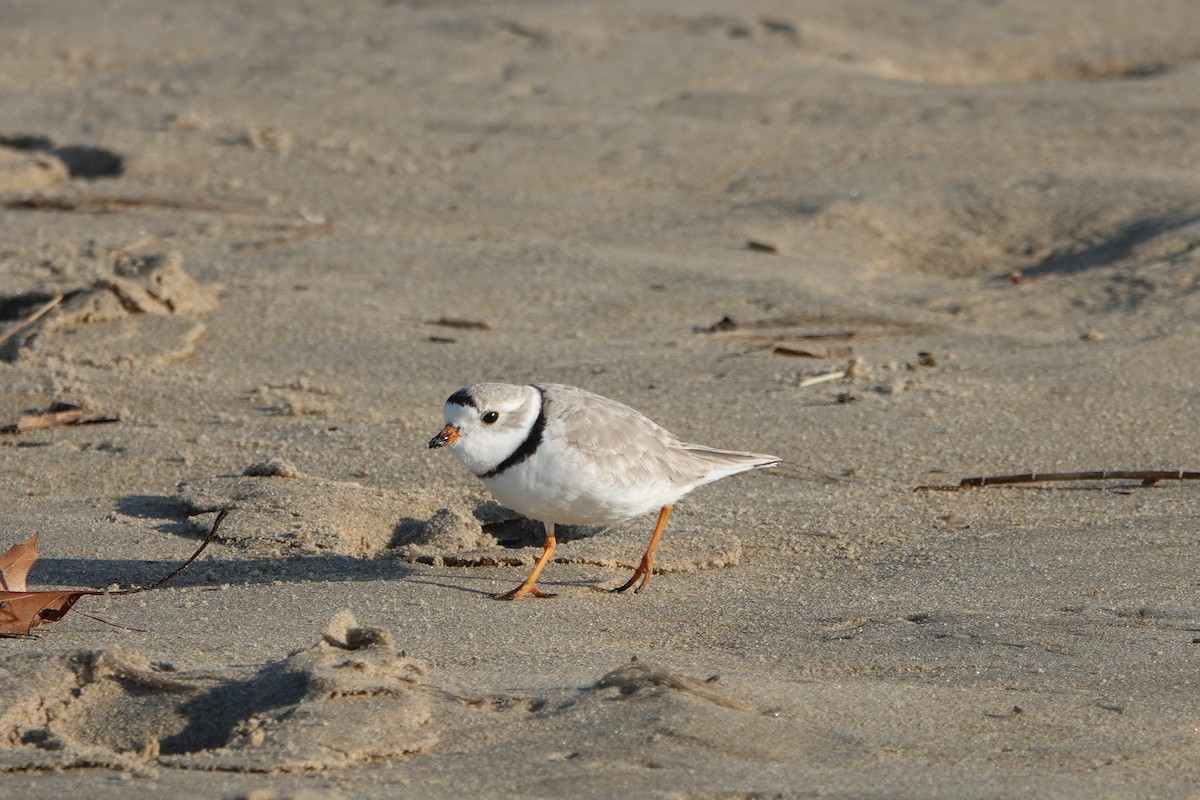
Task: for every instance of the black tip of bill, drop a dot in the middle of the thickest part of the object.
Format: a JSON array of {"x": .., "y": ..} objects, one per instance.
[{"x": 445, "y": 436}]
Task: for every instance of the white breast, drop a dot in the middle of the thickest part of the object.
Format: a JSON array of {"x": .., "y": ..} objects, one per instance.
[{"x": 554, "y": 485}]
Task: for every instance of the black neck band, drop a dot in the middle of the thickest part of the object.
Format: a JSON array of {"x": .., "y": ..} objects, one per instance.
[{"x": 527, "y": 447}]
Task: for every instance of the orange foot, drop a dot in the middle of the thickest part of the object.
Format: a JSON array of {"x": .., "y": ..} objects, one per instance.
[
  {"x": 646, "y": 568},
  {"x": 643, "y": 571},
  {"x": 530, "y": 585},
  {"x": 521, "y": 591}
]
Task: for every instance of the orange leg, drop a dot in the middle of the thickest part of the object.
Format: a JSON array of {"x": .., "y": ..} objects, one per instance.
[
  {"x": 530, "y": 584},
  {"x": 646, "y": 568}
]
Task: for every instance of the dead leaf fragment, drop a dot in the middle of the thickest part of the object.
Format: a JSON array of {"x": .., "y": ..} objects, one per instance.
[
  {"x": 15, "y": 564},
  {"x": 21, "y": 611}
]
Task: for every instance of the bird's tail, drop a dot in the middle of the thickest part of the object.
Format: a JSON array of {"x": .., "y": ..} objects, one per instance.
[{"x": 731, "y": 462}]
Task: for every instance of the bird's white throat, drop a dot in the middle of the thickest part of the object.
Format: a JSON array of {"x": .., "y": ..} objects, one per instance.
[{"x": 481, "y": 448}]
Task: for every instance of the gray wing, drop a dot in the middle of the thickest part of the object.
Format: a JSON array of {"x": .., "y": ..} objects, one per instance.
[
  {"x": 622, "y": 447},
  {"x": 619, "y": 444}
]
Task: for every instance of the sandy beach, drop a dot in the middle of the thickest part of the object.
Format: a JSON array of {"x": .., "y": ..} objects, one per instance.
[{"x": 254, "y": 247}]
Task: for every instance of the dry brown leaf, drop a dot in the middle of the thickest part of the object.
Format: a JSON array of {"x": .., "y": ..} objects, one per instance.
[
  {"x": 21, "y": 611},
  {"x": 15, "y": 564}
]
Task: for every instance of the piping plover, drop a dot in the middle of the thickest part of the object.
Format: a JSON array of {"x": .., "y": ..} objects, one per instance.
[{"x": 562, "y": 455}]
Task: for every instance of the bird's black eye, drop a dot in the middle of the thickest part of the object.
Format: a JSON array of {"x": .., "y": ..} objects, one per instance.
[{"x": 490, "y": 417}]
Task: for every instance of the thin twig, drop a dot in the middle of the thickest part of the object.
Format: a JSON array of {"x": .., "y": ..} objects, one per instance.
[
  {"x": 110, "y": 622},
  {"x": 1147, "y": 477},
  {"x": 212, "y": 534}
]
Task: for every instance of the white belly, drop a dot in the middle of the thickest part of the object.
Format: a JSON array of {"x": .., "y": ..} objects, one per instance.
[{"x": 572, "y": 497}]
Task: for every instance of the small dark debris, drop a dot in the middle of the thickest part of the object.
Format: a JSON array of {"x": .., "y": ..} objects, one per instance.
[
  {"x": 780, "y": 28},
  {"x": 844, "y": 398},
  {"x": 712, "y": 679},
  {"x": 725, "y": 323},
  {"x": 462, "y": 324},
  {"x": 761, "y": 247},
  {"x": 920, "y": 619},
  {"x": 441, "y": 339},
  {"x": 829, "y": 352},
  {"x": 926, "y": 359}
]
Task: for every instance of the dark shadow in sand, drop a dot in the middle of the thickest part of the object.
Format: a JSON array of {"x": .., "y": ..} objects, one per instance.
[{"x": 1115, "y": 247}]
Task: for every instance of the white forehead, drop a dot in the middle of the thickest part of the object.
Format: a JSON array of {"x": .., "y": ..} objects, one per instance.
[{"x": 473, "y": 400}]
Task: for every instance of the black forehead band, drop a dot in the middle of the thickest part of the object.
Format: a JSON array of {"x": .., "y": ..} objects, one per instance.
[{"x": 462, "y": 398}]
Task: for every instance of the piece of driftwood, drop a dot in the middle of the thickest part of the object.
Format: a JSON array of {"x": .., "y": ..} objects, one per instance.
[
  {"x": 55, "y": 416},
  {"x": 1147, "y": 477}
]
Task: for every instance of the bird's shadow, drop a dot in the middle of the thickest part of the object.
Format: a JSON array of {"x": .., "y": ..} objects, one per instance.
[
  {"x": 222, "y": 565},
  {"x": 100, "y": 572},
  {"x": 173, "y": 517}
]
